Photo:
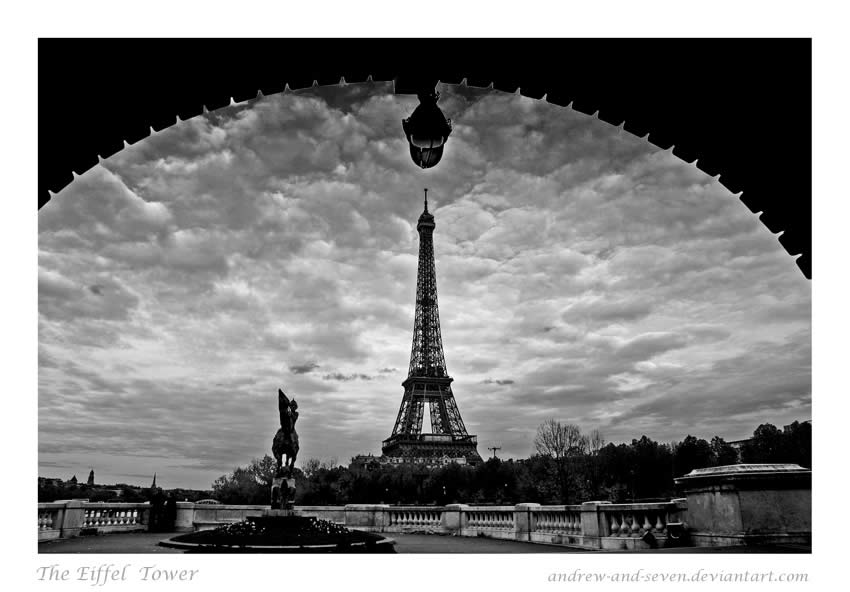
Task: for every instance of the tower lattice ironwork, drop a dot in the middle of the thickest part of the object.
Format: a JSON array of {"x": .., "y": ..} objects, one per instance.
[{"x": 428, "y": 383}]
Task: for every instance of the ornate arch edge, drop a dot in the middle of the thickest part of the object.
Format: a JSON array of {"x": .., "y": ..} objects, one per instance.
[{"x": 802, "y": 258}]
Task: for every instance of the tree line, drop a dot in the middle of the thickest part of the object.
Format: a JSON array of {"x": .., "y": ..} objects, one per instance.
[{"x": 568, "y": 467}]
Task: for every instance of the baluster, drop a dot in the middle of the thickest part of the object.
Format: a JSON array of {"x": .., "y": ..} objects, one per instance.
[
  {"x": 624, "y": 525},
  {"x": 659, "y": 525},
  {"x": 615, "y": 528},
  {"x": 635, "y": 524},
  {"x": 647, "y": 527}
]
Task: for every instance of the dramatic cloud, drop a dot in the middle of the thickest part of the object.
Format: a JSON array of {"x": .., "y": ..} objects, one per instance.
[{"x": 583, "y": 275}]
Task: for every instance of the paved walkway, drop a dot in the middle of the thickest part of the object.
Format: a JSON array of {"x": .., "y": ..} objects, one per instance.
[{"x": 146, "y": 542}]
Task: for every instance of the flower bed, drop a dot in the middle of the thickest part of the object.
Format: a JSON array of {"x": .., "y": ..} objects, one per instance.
[{"x": 281, "y": 533}]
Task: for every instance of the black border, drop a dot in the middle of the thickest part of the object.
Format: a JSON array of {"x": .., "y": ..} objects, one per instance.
[{"x": 742, "y": 107}]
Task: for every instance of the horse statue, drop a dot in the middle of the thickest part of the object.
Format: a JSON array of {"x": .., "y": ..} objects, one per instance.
[{"x": 286, "y": 439}]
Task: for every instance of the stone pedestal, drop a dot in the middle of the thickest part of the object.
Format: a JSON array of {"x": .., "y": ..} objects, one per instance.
[
  {"x": 454, "y": 518},
  {"x": 749, "y": 504},
  {"x": 184, "y": 521},
  {"x": 279, "y": 513},
  {"x": 594, "y": 526},
  {"x": 72, "y": 520},
  {"x": 283, "y": 493},
  {"x": 524, "y": 522},
  {"x": 369, "y": 517}
]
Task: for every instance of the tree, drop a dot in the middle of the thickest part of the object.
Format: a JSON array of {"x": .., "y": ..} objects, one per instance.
[
  {"x": 651, "y": 469},
  {"x": 799, "y": 443},
  {"x": 263, "y": 470},
  {"x": 595, "y": 442},
  {"x": 691, "y": 453},
  {"x": 766, "y": 446},
  {"x": 593, "y": 466},
  {"x": 90, "y": 481},
  {"x": 723, "y": 452},
  {"x": 310, "y": 466},
  {"x": 240, "y": 487},
  {"x": 560, "y": 442}
]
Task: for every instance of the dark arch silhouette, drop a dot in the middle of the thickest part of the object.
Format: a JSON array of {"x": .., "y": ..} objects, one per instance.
[{"x": 740, "y": 108}]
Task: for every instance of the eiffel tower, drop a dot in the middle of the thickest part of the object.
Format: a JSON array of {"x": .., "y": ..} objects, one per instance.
[{"x": 428, "y": 381}]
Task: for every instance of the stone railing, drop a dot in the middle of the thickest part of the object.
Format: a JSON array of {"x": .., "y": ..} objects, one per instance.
[
  {"x": 593, "y": 525},
  {"x": 65, "y": 519},
  {"x": 113, "y": 517},
  {"x": 414, "y": 517},
  {"x": 50, "y": 518},
  {"x": 732, "y": 505}
]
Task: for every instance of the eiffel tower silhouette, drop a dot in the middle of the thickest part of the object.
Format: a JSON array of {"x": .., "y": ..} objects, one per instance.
[{"x": 428, "y": 382}]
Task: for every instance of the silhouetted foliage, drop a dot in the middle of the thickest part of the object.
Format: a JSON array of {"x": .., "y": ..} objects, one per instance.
[
  {"x": 569, "y": 467},
  {"x": 769, "y": 444},
  {"x": 691, "y": 453}
]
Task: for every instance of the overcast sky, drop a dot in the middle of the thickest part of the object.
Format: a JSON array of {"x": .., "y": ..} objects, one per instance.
[{"x": 583, "y": 274}]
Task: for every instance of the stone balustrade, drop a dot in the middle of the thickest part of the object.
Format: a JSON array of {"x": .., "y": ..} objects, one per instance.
[
  {"x": 64, "y": 519},
  {"x": 490, "y": 518},
  {"x": 557, "y": 519},
  {"x": 740, "y": 504},
  {"x": 112, "y": 517},
  {"x": 414, "y": 517}
]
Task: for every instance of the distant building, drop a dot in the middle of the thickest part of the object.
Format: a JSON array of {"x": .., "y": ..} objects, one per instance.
[
  {"x": 50, "y": 482},
  {"x": 73, "y": 480},
  {"x": 90, "y": 481},
  {"x": 787, "y": 429}
]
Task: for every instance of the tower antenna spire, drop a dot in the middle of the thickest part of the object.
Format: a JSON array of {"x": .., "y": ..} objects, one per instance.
[{"x": 426, "y": 199}]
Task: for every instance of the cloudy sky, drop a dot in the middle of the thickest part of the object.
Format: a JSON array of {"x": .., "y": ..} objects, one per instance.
[{"x": 583, "y": 275}]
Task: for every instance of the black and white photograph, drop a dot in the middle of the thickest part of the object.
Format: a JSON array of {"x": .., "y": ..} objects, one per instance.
[{"x": 411, "y": 304}]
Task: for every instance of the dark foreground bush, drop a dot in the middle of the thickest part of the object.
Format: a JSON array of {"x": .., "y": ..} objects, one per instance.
[{"x": 289, "y": 531}]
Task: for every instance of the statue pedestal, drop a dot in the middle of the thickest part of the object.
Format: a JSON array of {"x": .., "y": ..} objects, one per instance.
[
  {"x": 283, "y": 494},
  {"x": 279, "y": 513}
]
